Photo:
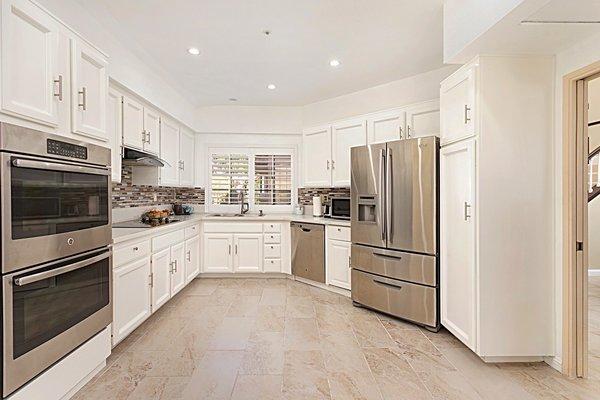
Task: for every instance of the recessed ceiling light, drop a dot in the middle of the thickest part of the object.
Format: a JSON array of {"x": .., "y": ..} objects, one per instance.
[
  {"x": 271, "y": 86},
  {"x": 334, "y": 63},
  {"x": 194, "y": 51}
]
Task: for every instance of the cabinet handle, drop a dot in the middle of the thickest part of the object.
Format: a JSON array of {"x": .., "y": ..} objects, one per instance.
[
  {"x": 327, "y": 165},
  {"x": 349, "y": 261},
  {"x": 400, "y": 131},
  {"x": 189, "y": 257},
  {"x": 467, "y": 118},
  {"x": 236, "y": 249},
  {"x": 135, "y": 248},
  {"x": 175, "y": 266},
  {"x": 183, "y": 165},
  {"x": 229, "y": 249},
  {"x": 59, "y": 81},
  {"x": 143, "y": 136},
  {"x": 151, "y": 276},
  {"x": 171, "y": 265},
  {"x": 149, "y": 136},
  {"x": 408, "y": 132},
  {"x": 83, "y": 93},
  {"x": 467, "y": 211}
]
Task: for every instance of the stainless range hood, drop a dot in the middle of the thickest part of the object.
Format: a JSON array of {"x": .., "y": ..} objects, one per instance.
[{"x": 142, "y": 159}]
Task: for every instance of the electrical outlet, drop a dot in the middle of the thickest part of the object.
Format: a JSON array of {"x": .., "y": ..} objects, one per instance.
[{"x": 155, "y": 197}]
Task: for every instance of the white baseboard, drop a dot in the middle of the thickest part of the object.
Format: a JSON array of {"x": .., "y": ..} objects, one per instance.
[
  {"x": 593, "y": 272},
  {"x": 555, "y": 362},
  {"x": 242, "y": 275}
]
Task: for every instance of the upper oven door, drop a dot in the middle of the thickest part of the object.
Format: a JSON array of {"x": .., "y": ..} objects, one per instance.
[{"x": 51, "y": 209}]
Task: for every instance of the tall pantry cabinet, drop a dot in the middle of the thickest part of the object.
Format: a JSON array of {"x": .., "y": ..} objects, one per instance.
[{"x": 496, "y": 214}]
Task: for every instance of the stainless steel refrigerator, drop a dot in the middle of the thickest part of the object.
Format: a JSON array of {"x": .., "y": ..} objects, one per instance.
[{"x": 395, "y": 234}]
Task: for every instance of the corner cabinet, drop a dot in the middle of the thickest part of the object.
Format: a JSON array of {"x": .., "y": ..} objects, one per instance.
[{"x": 316, "y": 153}]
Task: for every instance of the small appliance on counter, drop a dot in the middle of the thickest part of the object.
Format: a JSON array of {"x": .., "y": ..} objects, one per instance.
[
  {"x": 338, "y": 208},
  {"x": 182, "y": 209},
  {"x": 317, "y": 206}
]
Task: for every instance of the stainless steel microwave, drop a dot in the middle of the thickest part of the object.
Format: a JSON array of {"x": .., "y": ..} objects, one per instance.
[{"x": 339, "y": 208}]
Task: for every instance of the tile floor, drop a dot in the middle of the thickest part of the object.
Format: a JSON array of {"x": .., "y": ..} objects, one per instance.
[{"x": 280, "y": 339}]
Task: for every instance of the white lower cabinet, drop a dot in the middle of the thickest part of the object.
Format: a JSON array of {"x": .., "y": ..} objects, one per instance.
[
  {"x": 217, "y": 252},
  {"x": 338, "y": 256},
  {"x": 248, "y": 252},
  {"x": 177, "y": 268},
  {"x": 131, "y": 296},
  {"x": 161, "y": 278},
  {"x": 192, "y": 258}
]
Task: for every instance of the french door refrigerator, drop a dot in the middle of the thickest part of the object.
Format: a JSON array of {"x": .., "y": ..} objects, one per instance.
[{"x": 394, "y": 225}]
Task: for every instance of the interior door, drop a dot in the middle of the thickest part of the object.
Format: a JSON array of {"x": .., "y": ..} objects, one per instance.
[
  {"x": 89, "y": 88},
  {"x": 412, "y": 195},
  {"x": 161, "y": 278},
  {"x": 218, "y": 252},
  {"x": 177, "y": 268},
  {"x": 316, "y": 155},
  {"x": 248, "y": 252},
  {"x": 192, "y": 258},
  {"x": 344, "y": 136},
  {"x": 29, "y": 50},
  {"x": 386, "y": 126},
  {"x": 152, "y": 129},
  {"x": 367, "y": 191},
  {"x": 423, "y": 120},
  {"x": 186, "y": 155},
  {"x": 169, "y": 151},
  {"x": 133, "y": 123},
  {"x": 457, "y": 225}
]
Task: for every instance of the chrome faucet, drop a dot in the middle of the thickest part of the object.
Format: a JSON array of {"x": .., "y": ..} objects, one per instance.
[{"x": 244, "y": 206}]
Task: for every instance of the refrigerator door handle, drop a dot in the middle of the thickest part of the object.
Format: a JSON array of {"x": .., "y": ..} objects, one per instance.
[
  {"x": 389, "y": 196},
  {"x": 381, "y": 193}
]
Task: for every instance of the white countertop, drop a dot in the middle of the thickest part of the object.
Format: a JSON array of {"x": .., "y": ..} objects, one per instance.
[{"x": 125, "y": 234}]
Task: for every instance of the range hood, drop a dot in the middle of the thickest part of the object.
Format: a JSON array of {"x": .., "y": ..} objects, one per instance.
[{"x": 139, "y": 158}]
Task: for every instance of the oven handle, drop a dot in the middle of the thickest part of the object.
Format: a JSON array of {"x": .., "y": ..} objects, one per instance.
[
  {"x": 26, "y": 280},
  {"x": 51, "y": 166}
]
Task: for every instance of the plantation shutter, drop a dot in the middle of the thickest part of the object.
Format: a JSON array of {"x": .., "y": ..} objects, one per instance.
[
  {"x": 273, "y": 179},
  {"x": 229, "y": 176}
]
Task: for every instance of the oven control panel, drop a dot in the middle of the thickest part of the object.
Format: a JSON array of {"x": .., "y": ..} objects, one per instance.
[{"x": 66, "y": 149}]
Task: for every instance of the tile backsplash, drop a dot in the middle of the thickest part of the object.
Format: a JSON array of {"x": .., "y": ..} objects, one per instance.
[
  {"x": 305, "y": 195},
  {"x": 125, "y": 194}
]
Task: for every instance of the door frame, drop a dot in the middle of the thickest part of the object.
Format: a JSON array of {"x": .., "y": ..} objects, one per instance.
[{"x": 574, "y": 179}]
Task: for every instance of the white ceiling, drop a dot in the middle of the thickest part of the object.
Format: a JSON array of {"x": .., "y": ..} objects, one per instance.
[{"x": 377, "y": 41}]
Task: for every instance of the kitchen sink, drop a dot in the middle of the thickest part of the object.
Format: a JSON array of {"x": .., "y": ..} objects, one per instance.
[{"x": 226, "y": 215}]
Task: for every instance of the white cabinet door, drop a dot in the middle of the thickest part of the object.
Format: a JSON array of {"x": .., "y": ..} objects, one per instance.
[
  {"x": 218, "y": 252},
  {"x": 338, "y": 263},
  {"x": 457, "y": 223},
  {"x": 186, "y": 155},
  {"x": 169, "y": 151},
  {"x": 152, "y": 129},
  {"x": 161, "y": 278},
  {"x": 177, "y": 268},
  {"x": 89, "y": 88},
  {"x": 316, "y": 156},
  {"x": 457, "y": 105},
  {"x": 131, "y": 297},
  {"x": 248, "y": 252},
  {"x": 343, "y": 136},
  {"x": 114, "y": 127},
  {"x": 30, "y": 82},
  {"x": 385, "y": 126},
  {"x": 423, "y": 119},
  {"x": 133, "y": 123},
  {"x": 192, "y": 258}
]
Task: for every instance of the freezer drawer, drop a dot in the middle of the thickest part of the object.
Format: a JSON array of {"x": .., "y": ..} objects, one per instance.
[
  {"x": 415, "y": 303},
  {"x": 395, "y": 264},
  {"x": 308, "y": 251}
]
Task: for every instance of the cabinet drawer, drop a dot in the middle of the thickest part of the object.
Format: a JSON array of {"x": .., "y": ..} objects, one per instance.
[
  {"x": 124, "y": 254},
  {"x": 338, "y": 233},
  {"x": 272, "y": 265},
  {"x": 192, "y": 231},
  {"x": 272, "y": 227},
  {"x": 232, "y": 227},
  {"x": 273, "y": 238},
  {"x": 272, "y": 251},
  {"x": 166, "y": 240}
]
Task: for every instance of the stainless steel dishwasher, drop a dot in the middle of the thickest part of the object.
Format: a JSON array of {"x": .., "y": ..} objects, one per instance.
[{"x": 308, "y": 251}]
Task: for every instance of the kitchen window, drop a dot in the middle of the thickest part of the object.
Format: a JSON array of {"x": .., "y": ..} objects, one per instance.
[{"x": 265, "y": 177}]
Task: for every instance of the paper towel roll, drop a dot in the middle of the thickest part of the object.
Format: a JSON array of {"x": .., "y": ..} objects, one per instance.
[{"x": 317, "y": 207}]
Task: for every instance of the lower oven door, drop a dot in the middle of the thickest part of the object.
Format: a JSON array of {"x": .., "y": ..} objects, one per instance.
[{"x": 50, "y": 310}]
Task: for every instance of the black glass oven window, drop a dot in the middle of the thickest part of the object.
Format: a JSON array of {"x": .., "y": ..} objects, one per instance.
[
  {"x": 44, "y": 309},
  {"x": 49, "y": 202}
]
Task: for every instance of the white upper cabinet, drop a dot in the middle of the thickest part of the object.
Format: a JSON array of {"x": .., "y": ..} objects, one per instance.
[
  {"x": 386, "y": 126},
  {"x": 316, "y": 152},
  {"x": 152, "y": 130},
  {"x": 31, "y": 85},
  {"x": 89, "y": 87},
  {"x": 423, "y": 119},
  {"x": 114, "y": 127},
  {"x": 345, "y": 135},
  {"x": 186, "y": 156},
  {"x": 133, "y": 123},
  {"x": 169, "y": 151},
  {"x": 457, "y": 99}
]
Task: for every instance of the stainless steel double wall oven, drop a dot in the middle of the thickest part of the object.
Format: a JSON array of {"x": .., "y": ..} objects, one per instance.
[{"x": 55, "y": 210}]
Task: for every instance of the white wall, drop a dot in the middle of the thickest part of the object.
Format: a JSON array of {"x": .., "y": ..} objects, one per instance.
[
  {"x": 124, "y": 66},
  {"x": 414, "y": 89},
  {"x": 465, "y": 20},
  {"x": 249, "y": 119},
  {"x": 573, "y": 58}
]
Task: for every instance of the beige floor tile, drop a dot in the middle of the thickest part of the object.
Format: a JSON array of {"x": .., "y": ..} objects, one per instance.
[
  {"x": 257, "y": 387},
  {"x": 244, "y": 306},
  {"x": 115, "y": 384},
  {"x": 214, "y": 376},
  {"x": 264, "y": 354},
  {"x": 353, "y": 386},
  {"x": 252, "y": 287},
  {"x": 370, "y": 332},
  {"x": 301, "y": 334},
  {"x": 342, "y": 353},
  {"x": 304, "y": 376},
  {"x": 201, "y": 287},
  {"x": 295, "y": 288},
  {"x": 270, "y": 318},
  {"x": 161, "y": 336},
  {"x": 391, "y": 323},
  {"x": 299, "y": 307},
  {"x": 273, "y": 296},
  {"x": 232, "y": 334},
  {"x": 159, "y": 388}
]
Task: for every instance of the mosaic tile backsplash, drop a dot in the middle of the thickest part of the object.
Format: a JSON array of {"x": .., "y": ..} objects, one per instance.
[
  {"x": 305, "y": 195},
  {"x": 125, "y": 194}
]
